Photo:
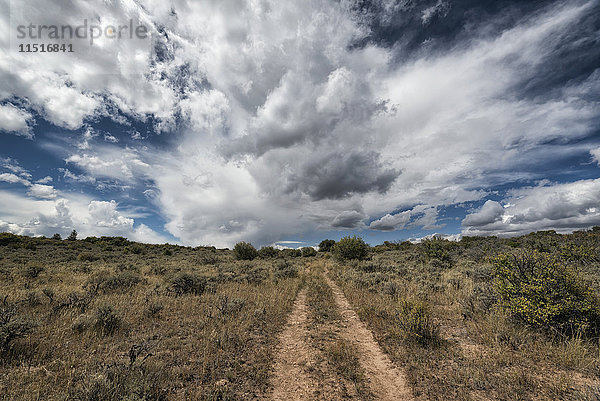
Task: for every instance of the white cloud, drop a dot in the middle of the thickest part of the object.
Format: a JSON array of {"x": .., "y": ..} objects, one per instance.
[
  {"x": 47, "y": 179},
  {"x": 43, "y": 191},
  {"x": 290, "y": 127},
  {"x": 13, "y": 179},
  {"x": 563, "y": 207},
  {"x": 15, "y": 120},
  {"x": 88, "y": 217},
  {"x": 111, "y": 162},
  {"x": 596, "y": 155},
  {"x": 441, "y": 8}
]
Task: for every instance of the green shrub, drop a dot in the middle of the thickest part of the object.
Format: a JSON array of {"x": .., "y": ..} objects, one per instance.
[
  {"x": 106, "y": 320},
  {"x": 121, "y": 381},
  {"x": 245, "y": 251},
  {"x": 326, "y": 245},
  {"x": 12, "y": 326},
  {"x": 291, "y": 253},
  {"x": 308, "y": 251},
  {"x": 87, "y": 257},
  {"x": 284, "y": 269},
  {"x": 268, "y": 252},
  {"x": 349, "y": 248},
  {"x": 33, "y": 270},
  {"x": 188, "y": 283},
  {"x": 107, "y": 282},
  {"x": 8, "y": 238},
  {"x": 542, "y": 291},
  {"x": 415, "y": 320}
]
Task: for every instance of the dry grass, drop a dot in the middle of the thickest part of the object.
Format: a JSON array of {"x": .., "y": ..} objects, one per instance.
[
  {"x": 338, "y": 361},
  {"x": 140, "y": 322},
  {"x": 473, "y": 350}
]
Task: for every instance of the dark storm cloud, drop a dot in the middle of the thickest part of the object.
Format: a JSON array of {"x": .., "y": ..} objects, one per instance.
[
  {"x": 337, "y": 175},
  {"x": 408, "y": 24},
  {"x": 348, "y": 219}
]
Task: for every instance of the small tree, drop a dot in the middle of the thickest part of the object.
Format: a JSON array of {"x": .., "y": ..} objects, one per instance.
[
  {"x": 308, "y": 251},
  {"x": 72, "y": 236},
  {"x": 351, "y": 248},
  {"x": 57, "y": 236},
  {"x": 245, "y": 251},
  {"x": 268, "y": 252},
  {"x": 326, "y": 245}
]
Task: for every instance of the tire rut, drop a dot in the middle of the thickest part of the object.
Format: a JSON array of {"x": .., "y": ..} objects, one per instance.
[{"x": 387, "y": 382}]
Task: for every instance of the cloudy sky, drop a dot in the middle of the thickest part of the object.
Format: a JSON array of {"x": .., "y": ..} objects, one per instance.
[{"x": 273, "y": 121}]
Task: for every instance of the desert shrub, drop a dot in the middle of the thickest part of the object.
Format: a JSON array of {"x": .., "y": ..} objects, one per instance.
[
  {"x": 106, "y": 282},
  {"x": 106, "y": 320},
  {"x": 33, "y": 270},
  {"x": 49, "y": 293},
  {"x": 438, "y": 251},
  {"x": 135, "y": 249},
  {"x": 154, "y": 308},
  {"x": 245, "y": 251},
  {"x": 308, "y": 251},
  {"x": 168, "y": 252},
  {"x": 209, "y": 258},
  {"x": 158, "y": 270},
  {"x": 255, "y": 274},
  {"x": 187, "y": 283},
  {"x": 75, "y": 300},
  {"x": 416, "y": 321},
  {"x": 30, "y": 245},
  {"x": 122, "y": 267},
  {"x": 81, "y": 324},
  {"x": 57, "y": 236},
  {"x": 284, "y": 269},
  {"x": 122, "y": 381},
  {"x": 349, "y": 248},
  {"x": 12, "y": 325},
  {"x": 326, "y": 245},
  {"x": 543, "y": 292},
  {"x": 268, "y": 252},
  {"x": 34, "y": 298},
  {"x": 87, "y": 257},
  {"x": 291, "y": 253},
  {"x": 8, "y": 238}
]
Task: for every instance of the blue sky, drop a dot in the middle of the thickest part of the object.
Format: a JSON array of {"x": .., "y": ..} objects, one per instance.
[{"x": 273, "y": 121}]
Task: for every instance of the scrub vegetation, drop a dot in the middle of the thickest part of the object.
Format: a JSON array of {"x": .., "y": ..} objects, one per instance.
[{"x": 482, "y": 318}]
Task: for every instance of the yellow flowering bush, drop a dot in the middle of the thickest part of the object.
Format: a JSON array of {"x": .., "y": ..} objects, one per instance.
[{"x": 542, "y": 291}]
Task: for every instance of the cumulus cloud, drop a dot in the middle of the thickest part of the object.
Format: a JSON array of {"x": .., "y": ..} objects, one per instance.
[
  {"x": 489, "y": 213},
  {"x": 89, "y": 217},
  {"x": 596, "y": 155},
  {"x": 423, "y": 216},
  {"x": 15, "y": 120},
  {"x": 287, "y": 118},
  {"x": 42, "y": 191},
  {"x": 348, "y": 219},
  {"x": 564, "y": 207},
  {"x": 13, "y": 179}
]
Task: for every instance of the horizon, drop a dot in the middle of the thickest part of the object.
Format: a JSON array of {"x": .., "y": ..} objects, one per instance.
[{"x": 287, "y": 123}]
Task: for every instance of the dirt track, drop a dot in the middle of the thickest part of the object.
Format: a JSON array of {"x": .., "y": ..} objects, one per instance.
[{"x": 296, "y": 357}]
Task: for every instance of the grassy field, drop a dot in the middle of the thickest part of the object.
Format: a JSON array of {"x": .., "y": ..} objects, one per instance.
[
  {"x": 436, "y": 309},
  {"x": 105, "y": 319},
  {"x": 108, "y": 319}
]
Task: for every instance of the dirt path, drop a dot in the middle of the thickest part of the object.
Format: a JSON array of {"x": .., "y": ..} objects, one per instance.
[
  {"x": 296, "y": 358},
  {"x": 291, "y": 381},
  {"x": 385, "y": 380}
]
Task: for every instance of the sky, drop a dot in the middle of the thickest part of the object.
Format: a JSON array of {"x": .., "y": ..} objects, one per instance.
[{"x": 287, "y": 122}]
